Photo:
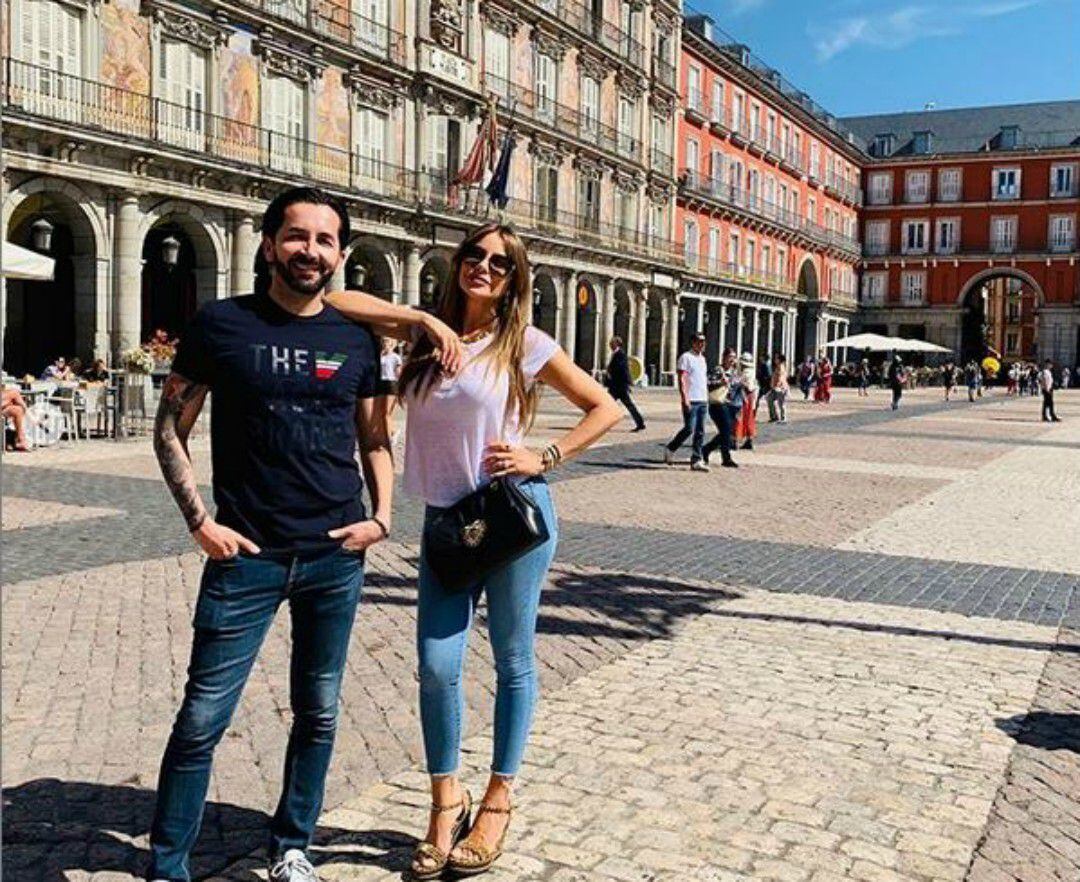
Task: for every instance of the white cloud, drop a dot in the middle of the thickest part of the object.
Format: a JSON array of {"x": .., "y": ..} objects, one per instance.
[
  {"x": 905, "y": 25},
  {"x": 739, "y": 7}
]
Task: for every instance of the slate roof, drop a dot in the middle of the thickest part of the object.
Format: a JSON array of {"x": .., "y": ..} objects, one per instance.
[{"x": 970, "y": 129}]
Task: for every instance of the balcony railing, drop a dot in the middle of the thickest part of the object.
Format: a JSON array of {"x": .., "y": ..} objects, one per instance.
[
  {"x": 581, "y": 18},
  {"x": 339, "y": 23},
  {"x": 1003, "y": 244},
  {"x": 664, "y": 72},
  {"x": 661, "y": 162},
  {"x": 752, "y": 203},
  {"x": 542, "y": 109},
  {"x": 1062, "y": 244},
  {"x": 736, "y": 273}
]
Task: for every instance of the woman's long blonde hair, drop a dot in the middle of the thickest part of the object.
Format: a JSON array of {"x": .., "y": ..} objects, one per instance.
[{"x": 421, "y": 371}]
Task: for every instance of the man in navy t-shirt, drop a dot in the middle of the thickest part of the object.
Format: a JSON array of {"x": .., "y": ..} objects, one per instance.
[{"x": 295, "y": 388}]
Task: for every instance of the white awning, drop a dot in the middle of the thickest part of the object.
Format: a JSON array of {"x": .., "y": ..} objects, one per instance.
[{"x": 17, "y": 262}]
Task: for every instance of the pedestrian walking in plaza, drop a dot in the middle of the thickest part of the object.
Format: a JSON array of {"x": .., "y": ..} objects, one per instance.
[
  {"x": 464, "y": 442},
  {"x": 618, "y": 381},
  {"x": 971, "y": 377},
  {"x": 693, "y": 387},
  {"x": 823, "y": 393},
  {"x": 779, "y": 389},
  {"x": 746, "y": 423},
  {"x": 864, "y": 378},
  {"x": 295, "y": 390},
  {"x": 897, "y": 378},
  {"x": 1034, "y": 380},
  {"x": 764, "y": 380},
  {"x": 1046, "y": 386},
  {"x": 1066, "y": 377},
  {"x": 807, "y": 370},
  {"x": 948, "y": 379},
  {"x": 725, "y": 403}
]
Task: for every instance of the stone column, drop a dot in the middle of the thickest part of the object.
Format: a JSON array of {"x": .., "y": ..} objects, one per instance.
[
  {"x": 609, "y": 316},
  {"x": 772, "y": 331},
  {"x": 641, "y": 306},
  {"x": 244, "y": 246},
  {"x": 699, "y": 324},
  {"x": 569, "y": 324},
  {"x": 740, "y": 320},
  {"x": 755, "y": 330},
  {"x": 672, "y": 333},
  {"x": 410, "y": 281},
  {"x": 127, "y": 277},
  {"x": 723, "y": 328}
]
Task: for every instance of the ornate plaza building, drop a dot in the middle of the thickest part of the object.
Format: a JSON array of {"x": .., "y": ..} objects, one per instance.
[
  {"x": 969, "y": 228},
  {"x": 664, "y": 179}
]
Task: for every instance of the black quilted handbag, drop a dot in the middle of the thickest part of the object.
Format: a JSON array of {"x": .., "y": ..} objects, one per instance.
[{"x": 482, "y": 532}]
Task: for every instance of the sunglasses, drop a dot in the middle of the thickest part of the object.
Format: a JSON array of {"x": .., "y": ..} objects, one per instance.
[{"x": 499, "y": 265}]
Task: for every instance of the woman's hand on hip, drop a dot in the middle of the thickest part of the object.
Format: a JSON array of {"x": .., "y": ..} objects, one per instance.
[
  {"x": 501, "y": 459},
  {"x": 358, "y": 536}
]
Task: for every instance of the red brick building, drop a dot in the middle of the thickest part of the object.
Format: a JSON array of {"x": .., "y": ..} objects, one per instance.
[
  {"x": 969, "y": 228},
  {"x": 766, "y": 211}
]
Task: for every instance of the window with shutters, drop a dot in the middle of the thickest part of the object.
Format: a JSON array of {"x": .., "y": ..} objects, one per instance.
[
  {"x": 1062, "y": 232},
  {"x": 880, "y": 189},
  {"x": 547, "y": 191},
  {"x": 734, "y": 253},
  {"x": 284, "y": 118},
  {"x": 627, "y": 127},
  {"x": 873, "y": 289},
  {"x": 50, "y": 47},
  {"x": 717, "y": 107},
  {"x": 293, "y": 10},
  {"x": 438, "y": 148},
  {"x": 1063, "y": 181},
  {"x": 917, "y": 186},
  {"x": 781, "y": 262},
  {"x": 913, "y": 288},
  {"x": 716, "y": 170},
  {"x": 916, "y": 235},
  {"x": 714, "y": 248},
  {"x": 1002, "y": 235},
  {"x": 1006, "y": 183},
  {"x": 877, "y": 238},
  {"x": 738, "y": 113},
  {"x": 371, "y": 133},
  {"x": 948, "y": 235},
  {"x": 372, "y": 26},
  {"x": 590, "y": 108},
  {"x": 545, "y": 75},
  {"x": 656, "y": 223},
  {"x": 589, "y": 202},
  {"x": 181, "y": 93},
  {"x": 949, "y": 185},
  {"x": 815, "y": 160},
  {"x": 690, "y": 241},
  {"x": 693, "y": 161},
  {"x": 626, "y": 212},
  {"x": 751, "y": 254},
  {"x": 497, "y": 62}
]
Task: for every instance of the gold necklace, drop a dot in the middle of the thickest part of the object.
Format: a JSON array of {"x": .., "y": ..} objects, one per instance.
[{"x": 479, "y": 333}]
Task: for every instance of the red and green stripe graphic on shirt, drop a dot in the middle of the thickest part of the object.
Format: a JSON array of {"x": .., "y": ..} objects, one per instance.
[{"x": 327, "y": 364}]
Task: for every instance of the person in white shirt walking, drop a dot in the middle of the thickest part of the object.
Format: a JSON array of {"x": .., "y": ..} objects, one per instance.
[
  {"x": 693, "y": 388},
  {"x": 1046, "y": 386}
]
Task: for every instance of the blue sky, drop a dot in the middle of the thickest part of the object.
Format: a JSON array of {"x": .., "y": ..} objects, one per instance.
[{"x": 880, "y": 56}]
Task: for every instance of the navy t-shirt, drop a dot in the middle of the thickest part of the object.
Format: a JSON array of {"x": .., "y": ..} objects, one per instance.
[{"x": 283, "y": 422}]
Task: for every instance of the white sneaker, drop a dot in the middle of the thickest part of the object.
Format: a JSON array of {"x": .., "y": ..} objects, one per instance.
[
  {"x": 669, "y": 457},
  {"x": 699, "y": 466},
  {"x": 293, "y": 867}
]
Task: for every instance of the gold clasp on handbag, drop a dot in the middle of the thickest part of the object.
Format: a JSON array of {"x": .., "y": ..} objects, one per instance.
[{"x": 472, "y": 534}]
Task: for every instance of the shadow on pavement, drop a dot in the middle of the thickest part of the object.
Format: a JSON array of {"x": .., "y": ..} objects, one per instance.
[
  {"x": 53, "y": 827},
  {"x": 1045, "y": 730}
]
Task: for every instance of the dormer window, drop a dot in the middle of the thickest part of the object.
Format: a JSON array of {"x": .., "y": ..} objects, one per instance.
[
  {"x": 1010, "y": 137},
  {"x": 884, "y": 145},
  {"x": 922, "y": 142}
]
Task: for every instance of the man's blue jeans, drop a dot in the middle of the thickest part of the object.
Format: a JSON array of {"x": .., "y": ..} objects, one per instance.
[
  {"x": 237, "y": 601},
  {"x": 694, "y": 424}
]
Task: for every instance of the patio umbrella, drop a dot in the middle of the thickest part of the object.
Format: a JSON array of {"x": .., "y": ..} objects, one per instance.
[
  {"x": 874, "y": 342},
  {"x": 925, "y": 346},
  {"x": 21, "y": 263}
]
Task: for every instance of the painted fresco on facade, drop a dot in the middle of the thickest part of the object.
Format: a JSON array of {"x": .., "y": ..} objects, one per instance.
[
  {"x": 125, "y": 64},
  {"x": 240, "y": 78},
  {"x": 332, "y": 124}
]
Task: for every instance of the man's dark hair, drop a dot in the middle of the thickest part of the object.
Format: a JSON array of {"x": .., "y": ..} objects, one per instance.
[
  {"x": 275, "y": 211},
  {"x": 274, "y": 217}
]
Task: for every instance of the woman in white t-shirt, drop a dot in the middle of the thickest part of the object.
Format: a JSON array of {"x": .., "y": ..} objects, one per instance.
[{"x": 462, "y": 431}]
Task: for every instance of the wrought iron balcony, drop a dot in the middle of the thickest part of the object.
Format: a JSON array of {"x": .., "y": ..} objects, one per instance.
[
  {"x": 608, "y": 35},
  {"x": 752, "y": 204},
  {"x": 664, "y": 72},
  {"x": 661, "y": 162},
  {"x": 735, "y": 273},
  {"x": 339, "y": 23}
]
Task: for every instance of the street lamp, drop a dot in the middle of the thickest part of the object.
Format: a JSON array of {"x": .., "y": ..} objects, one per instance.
[
  {"x": 170, "y": 250},
  {"x": 357, "y": 276},
  {"x": 41, "y": 235},
  {"x": 427, "y": 288}
]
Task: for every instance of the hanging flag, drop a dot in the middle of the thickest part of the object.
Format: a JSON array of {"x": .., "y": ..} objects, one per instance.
[
  {"x": 482, "y": 154},
  {"x": 500, "y": 178}
]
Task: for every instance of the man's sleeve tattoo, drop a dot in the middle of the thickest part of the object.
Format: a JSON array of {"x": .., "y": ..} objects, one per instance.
[{"x": 177, "y": 411}]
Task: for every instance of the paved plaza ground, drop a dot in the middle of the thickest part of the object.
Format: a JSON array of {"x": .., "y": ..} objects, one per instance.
[{"x": 855, "y": 657}]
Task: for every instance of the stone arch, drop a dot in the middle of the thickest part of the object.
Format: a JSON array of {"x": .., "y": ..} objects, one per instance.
[
  {"x": 205, "y": 226},
  {"x": 808, "y": 282},
  {"x": 383, "y": 275},
  {"x": 67, "y": 315},
  {"x": 545, "y": 303},
  {"x": 995, "y": 272}
]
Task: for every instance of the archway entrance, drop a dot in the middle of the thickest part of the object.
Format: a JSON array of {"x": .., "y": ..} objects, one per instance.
[
  {"x": 585, "y": 330},
  {"x": 368, "y": 269},
  {"x": 805, "y": 337},
  {"x": 1000, "y": 316},
  {"x": 545, "y": 305},
  {"x": 47, "y": 319},
  {"x": 654, "y": 335},
  {"x": 169, "y": 287}
]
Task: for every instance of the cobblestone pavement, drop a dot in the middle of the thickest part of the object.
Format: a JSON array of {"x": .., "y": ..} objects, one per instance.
[{"x": 823, "y": 665}]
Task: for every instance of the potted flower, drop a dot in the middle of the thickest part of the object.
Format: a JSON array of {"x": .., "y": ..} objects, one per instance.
[{"x": 138, "y": 361}]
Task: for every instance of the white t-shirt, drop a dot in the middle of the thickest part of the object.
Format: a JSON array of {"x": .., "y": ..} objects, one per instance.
[
  {"x": 697, "y": 384},
  {"x": 390, "y": 366},
  {"x": 447, "y": 429},
  {"x": 1047, "y": 380}
]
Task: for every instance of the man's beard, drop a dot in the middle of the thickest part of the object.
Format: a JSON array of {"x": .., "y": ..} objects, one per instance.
[{"x": 298, "y": 286}]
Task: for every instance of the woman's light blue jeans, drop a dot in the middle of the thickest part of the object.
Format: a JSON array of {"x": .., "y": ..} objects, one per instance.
[{"x": 442, "y": 630}]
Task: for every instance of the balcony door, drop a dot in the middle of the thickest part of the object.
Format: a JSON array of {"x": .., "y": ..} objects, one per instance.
[
  {"x": 372, "y": 32},
  {"x": 546, "y": 77},
  {"x": 50, "y": 38},
  {"x": 284, "y": 113},
  {"x": 371, "y": 149},
  {"x": 181, "y": 90}
]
